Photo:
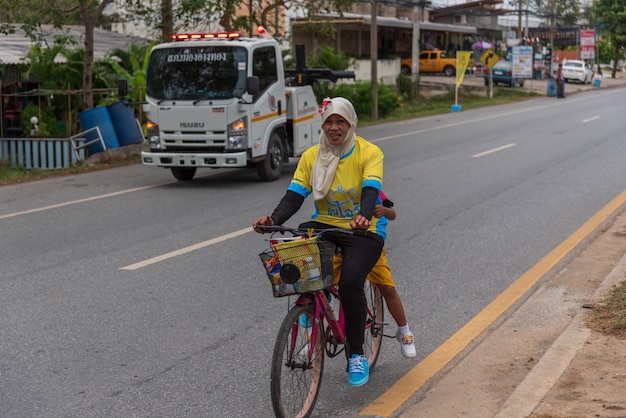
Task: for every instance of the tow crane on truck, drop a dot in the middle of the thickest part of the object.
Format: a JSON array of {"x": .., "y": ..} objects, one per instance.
[{"x": 221, "y": 100}]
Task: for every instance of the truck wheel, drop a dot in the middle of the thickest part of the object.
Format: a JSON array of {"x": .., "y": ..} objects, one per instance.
[
  {"x": 448, "y": 71},
  {"x": 405, "y": 70},
  {"x": 271, "y": 168},
  {"x": 183, "y": 173}
]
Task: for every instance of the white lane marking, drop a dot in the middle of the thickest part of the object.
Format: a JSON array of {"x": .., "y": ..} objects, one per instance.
[
  {"x": 75, "y": 202},
  {"x": 451, "y": 125},
  {"x": 491, "y": 151},
  {"x": 591, "y": 119},
  {"x": 186, "y": 250},
  {"x": 204, "y": 244}
]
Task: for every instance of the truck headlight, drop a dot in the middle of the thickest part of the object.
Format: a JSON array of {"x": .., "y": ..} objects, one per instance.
[
  {"x": 238, "y": 134},
  {"x": 154, "y": 139}
]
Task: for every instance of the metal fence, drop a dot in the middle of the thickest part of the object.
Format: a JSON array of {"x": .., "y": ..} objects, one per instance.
[{"x": 40, "y": 153}]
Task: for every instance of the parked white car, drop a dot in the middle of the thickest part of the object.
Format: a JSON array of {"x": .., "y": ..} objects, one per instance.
[{"x": 577, "y": 71}]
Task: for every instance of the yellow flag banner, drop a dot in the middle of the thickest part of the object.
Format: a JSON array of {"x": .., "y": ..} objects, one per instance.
[{"x": 462, "y": 61}]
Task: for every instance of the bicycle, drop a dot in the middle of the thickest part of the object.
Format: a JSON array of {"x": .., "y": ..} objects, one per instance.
[{"x": 301, "y": 345}]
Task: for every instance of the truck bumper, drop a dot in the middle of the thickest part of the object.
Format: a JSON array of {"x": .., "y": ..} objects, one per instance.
[{"x": 165, "y": 159}]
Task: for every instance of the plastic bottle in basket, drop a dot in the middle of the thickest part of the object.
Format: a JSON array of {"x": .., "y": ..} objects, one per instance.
[
  {"x": 313, "y": 275},
  {"x": 288, "y": 289}
]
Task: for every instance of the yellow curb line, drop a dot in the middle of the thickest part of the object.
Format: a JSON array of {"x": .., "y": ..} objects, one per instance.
[{"x": 386, "y": 404}]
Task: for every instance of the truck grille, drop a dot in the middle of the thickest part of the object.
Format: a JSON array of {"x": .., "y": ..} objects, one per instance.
[{"x": 198, "y": 150}]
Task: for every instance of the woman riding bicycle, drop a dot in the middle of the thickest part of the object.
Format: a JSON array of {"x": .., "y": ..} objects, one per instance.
[{"x": 344, "y": 173}]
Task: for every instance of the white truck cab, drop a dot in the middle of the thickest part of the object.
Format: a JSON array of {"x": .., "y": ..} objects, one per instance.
[{"x": 222, "y": 100}]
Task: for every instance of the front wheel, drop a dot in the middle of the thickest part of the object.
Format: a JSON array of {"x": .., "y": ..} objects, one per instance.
[
  {"x": 296, "y": 370},
  {"x": 183, "y": 173},
  {"x": 374, "y": 323},
  {"x": 449, "y": 71},
  {"x": 272, "y": 166}
]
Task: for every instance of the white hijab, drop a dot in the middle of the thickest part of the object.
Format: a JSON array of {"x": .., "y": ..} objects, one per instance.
[{"x": 328, "y": 155}]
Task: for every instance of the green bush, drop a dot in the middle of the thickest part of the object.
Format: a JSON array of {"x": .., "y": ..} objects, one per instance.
[
  {"x": 405, "y": 87},
  {"x": 46, "y": 127},
  {"x": 360, "y": 94},
  {"x": 328, "y": 58}
]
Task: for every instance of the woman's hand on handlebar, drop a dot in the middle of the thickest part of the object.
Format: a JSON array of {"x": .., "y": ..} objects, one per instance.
[
  {"x": 263, "y": 220},
  {"x": 360, "y": 222}
]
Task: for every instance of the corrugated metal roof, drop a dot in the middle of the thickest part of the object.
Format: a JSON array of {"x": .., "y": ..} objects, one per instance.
[
  {"x": 14, "y": 47},
  {"x": 393, "y": 22}
]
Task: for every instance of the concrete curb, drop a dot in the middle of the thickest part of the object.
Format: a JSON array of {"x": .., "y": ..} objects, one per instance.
[{"x": 526, "y": 397}]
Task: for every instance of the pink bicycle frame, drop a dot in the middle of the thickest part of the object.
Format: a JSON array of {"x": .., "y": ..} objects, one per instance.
[{"x": 323, "y": 309}]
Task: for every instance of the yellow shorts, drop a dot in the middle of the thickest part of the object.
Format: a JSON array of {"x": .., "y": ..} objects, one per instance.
[{"x": 380, "y": 274}]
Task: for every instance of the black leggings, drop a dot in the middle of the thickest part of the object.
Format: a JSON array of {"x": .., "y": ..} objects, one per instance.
[{"x": 360, "y": 254}]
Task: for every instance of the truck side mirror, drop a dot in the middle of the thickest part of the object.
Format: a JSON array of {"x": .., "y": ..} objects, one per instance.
[
  {"x": 252, "y": 85},
  {"x": 122, "y": 87}
]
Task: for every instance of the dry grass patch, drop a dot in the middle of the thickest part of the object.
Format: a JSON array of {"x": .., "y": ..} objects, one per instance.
[{"x": 608, "y": 316}]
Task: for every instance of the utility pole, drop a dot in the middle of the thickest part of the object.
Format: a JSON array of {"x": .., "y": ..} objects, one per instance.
[
  {"x": 551, "y": 34},
  {"x": 374, "y": 61},
  {"x": 418, "y": 14},
  {"x": 519, "y": 19},
  {"x": 415, "y": 45}
]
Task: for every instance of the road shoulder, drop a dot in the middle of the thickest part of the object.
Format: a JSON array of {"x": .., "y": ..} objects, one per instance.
[{"x": 481, "y": 381}]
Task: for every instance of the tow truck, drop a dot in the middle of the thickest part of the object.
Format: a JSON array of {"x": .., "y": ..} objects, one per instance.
[{"x": 216, "y": 100}]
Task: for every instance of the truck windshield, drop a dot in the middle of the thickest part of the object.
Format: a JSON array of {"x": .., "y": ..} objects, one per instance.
[{"x": 197, "y": 72}]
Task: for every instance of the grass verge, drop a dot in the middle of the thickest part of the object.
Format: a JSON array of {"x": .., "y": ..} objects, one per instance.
[
  {"x": 608, "y": 316},
  {"x": 10, "y": 175}
]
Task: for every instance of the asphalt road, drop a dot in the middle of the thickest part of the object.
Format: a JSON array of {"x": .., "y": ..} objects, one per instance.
[{"x": 125, "y": 293}]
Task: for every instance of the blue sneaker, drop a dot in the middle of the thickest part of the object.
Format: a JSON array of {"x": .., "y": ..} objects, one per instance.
[
  {"x": 358, "y": 370},
  {"x": 304, "y": 321}
]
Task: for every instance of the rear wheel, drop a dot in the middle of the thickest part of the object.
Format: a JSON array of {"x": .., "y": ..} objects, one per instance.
[
  {"x": 183, "y": 173},
  {"x": 271, "y": 168},
  {"x": 405, "y": 70},
  {"x": 296, "y": 370},
  {"x": 449, "y": 71},
  {"x": 374, "y": 323}
]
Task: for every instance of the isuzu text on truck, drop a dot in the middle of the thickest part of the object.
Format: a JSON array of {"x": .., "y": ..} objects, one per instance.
[{"x": 223, "y": 100}]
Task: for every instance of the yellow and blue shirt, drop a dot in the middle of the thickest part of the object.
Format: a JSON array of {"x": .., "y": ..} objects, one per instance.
[{"x": 360, "y": 167}]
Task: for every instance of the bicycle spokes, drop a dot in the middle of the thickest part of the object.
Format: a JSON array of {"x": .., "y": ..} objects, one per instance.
[{"x": 297, "y": 366}]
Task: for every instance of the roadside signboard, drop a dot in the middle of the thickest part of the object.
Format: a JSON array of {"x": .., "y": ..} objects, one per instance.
[
  {"x": 522, "y": 61},
  {"x": 587, "y": 44},
  {"x": 489, "y": 58}
]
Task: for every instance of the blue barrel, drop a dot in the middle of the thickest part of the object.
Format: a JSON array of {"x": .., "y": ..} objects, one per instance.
[
  {"x": 126, "y": 128},
  {"x": 551, "y": 87},
  {"x": 98, "y": 116}
]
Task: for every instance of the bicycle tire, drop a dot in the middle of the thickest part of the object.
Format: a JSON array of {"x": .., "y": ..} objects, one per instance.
[
  {"x": 294, "y": 380},
  {"x": 374, "y": 323}
]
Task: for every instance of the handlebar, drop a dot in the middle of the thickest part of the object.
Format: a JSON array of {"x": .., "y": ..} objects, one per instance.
[
  {"x": 296, "y": 231},
  {"x": 282, "y": 229}
]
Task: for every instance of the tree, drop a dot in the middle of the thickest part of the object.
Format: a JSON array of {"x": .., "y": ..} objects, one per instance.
[
  {"x": 609, "y": 16},
  {"x": 59, "y": 12},
  {"x": 131, "y": 68},
  {"x": 232, "y": 15},
  {"x": 240, "y": 15},
  {"x": 90, "y": 11}
]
